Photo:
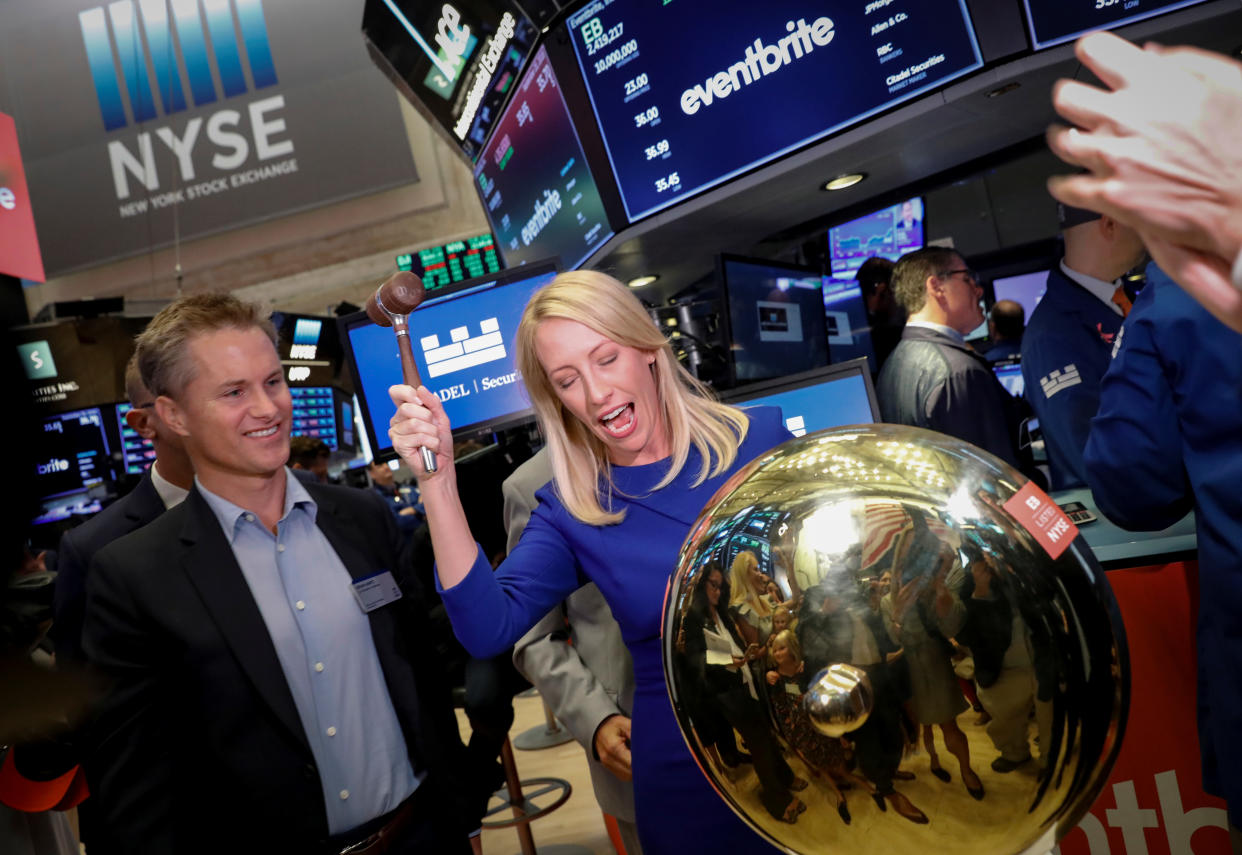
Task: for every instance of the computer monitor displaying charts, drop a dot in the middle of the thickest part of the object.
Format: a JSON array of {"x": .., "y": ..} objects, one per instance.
[
  {"x": 463, "y": 343},
  {"x": 841, "y": 394}
]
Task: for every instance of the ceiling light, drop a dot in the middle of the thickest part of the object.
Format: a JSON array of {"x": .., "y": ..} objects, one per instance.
[
  {"x": 642, "y": 280},
  {"x": 849, "y": 179}
]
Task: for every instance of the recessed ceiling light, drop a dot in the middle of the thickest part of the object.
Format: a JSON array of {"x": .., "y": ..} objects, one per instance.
[
  {"x": 849, "y": 179},
  {"x": 642, "y": 280}
]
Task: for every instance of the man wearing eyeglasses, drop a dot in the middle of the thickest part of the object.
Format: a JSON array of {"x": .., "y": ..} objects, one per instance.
[
  {"x": 1070, "y": 339},
  {"x": 933, "y": 379}
]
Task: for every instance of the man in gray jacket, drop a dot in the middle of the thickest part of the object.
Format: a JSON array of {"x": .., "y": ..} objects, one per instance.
[
  {"x": 933, "y": 379},
  {"x": 577, "y": 660}
]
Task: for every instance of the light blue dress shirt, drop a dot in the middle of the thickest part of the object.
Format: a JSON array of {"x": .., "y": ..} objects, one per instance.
[{"x": 323, "y": 641}]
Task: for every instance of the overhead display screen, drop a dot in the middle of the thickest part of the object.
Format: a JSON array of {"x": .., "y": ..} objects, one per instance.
[
  {"x": 689, "y": 95},
  {"x": 1055, "y": 21},
  {"x": 453, "y": 262},
  {"x": 533, "y": 178},
  {"x": 458, "y": 60},
  {"x": 889, "y": 232}
]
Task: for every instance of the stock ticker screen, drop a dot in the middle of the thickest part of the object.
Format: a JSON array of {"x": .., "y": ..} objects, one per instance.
[
  {"x": 533, "y": 178},
  {"x": 137, "y": 452},
  {"x": 456, "y": 261},
  {"x": 71, "y": 453},
  {"x": 690, "y": 95},
  {"x": 1053, "y": 22}
]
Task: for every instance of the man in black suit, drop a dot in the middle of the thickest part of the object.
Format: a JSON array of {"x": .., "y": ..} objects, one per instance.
[
  {"x": 163, "y": 485},
  {"x": 271, "y": 683}
]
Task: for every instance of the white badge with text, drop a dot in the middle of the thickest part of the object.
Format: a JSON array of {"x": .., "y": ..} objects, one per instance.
[{"x": 378, "y": 589}]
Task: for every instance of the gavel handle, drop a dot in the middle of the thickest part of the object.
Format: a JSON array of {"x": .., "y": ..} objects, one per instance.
[{"x": 409, "y": 372}]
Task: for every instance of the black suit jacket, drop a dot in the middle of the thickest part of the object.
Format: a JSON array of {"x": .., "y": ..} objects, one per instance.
[
  {"x": 198, "y": 746},
  {"x": 932, "y": 381},
  {"x": 128, "y": 513}
]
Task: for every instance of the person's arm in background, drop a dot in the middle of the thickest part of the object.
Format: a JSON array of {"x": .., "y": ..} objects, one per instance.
[
  {"x": 1160, "y": 144},
  {"x": 546, "y": 657},
  {"x": 1133, "y": 457}
]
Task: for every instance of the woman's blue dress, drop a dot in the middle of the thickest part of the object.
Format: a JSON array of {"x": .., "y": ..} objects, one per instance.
[{"x": 677, "y": 811}]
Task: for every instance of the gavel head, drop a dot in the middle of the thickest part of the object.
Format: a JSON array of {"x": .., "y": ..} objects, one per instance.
[{"x": 399, "y": 295}]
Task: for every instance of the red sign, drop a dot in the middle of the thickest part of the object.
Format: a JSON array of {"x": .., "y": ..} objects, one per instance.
[
  {"x": 1039, "y": 515},
  {"x": 1154, "y": 802},
  {"x": 19, "y": 245}
]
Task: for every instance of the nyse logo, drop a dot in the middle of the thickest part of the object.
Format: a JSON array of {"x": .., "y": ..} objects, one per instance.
[
  {"x": 37, "y": 359},
  {"x": 135, "y": 54},
  {"x": 117, "y": 40},
  {"x": 305, "y": 338}
]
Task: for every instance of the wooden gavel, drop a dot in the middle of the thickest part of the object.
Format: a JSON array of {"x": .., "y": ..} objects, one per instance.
[{"x": 390, "y": 306}]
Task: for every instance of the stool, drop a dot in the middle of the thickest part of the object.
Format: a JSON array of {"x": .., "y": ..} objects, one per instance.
[
  {"x": 519, "y": 797},
  {"x": 546, "y": 736}
]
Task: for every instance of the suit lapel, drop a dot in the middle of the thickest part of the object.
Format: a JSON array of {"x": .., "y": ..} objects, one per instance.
[
  {"x": 214, "y": 572},
  {"x": 145, "y": 503}
]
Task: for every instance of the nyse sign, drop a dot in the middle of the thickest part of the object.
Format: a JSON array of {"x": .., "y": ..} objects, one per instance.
[{"x": 176, "y": 119}]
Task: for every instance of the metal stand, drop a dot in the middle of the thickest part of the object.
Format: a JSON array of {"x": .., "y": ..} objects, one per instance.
[
  {"x": 520, "y": 797},
  {"x": 550, "y": 734}
]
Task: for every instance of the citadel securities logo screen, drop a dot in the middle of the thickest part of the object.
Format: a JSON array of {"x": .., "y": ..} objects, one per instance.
[
  {"x": 158, "y": 120},
  {"x": 463, "y": 346},
  {"x": 763, "y": 80}
]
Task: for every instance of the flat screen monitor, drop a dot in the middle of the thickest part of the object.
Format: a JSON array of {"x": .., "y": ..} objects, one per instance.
[
  {"x": 314, "y": 414},
  {"x": 458, "y": 61},
  {"x": 841, "y": 394},
  {"x": 463, "y": 340},
  {"x": 845, "y": 317},
  {"x": 1009, "y": 373},
  {"x": 72, "y": 454},
  {"x": 1026, "y": 288},
  {"x": 1053, "y": 22},
  {"x": 137, "y": 452},
  {"x": 776, "y": 321},
  {"x": 455, "y": 261},
  {"x": 889, "y": 232},
  {"x": 537, "y": 190},
  {"x": 689, "y": 95}
]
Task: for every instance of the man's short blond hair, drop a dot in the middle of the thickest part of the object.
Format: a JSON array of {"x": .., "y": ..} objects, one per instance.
[{"x": 162, "y": 353}]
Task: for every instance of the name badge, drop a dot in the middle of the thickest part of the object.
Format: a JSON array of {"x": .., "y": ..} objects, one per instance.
[
  {"x": 792, "y": 689},
  {"x": 378, "y": 589}
]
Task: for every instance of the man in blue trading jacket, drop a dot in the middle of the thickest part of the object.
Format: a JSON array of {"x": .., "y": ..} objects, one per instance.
[
  {"x": 1069, "y": 338},
  {"x": 1168, "y": 437},
  {"x": 270, "y": 683},
  {"x": 932, "y": 379}
]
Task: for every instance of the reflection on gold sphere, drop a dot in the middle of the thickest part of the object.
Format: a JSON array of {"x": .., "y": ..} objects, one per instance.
[
  {"x": 838, "y": 700},
  {"x": 885, "y": 571}
]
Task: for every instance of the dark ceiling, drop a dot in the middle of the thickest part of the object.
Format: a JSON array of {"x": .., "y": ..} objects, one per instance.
[{"x": 913, "y": 149}]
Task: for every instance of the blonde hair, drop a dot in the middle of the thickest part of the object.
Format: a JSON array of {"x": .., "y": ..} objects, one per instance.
[
  {"x": 788, "y": 638},
  {"x": 744, "y": 593},
  {"x": 579, "y": 458},
  {"x": 162, "y": 349}
]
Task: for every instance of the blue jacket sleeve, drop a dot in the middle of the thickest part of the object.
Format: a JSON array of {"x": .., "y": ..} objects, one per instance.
[
  {"x": 1133, "y": 457},
  {"x": 1066, "y": 407},
  {"x": 491, "y": 611}
]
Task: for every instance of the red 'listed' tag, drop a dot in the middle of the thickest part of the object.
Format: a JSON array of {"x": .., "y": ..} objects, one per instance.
[{"x": 1041, "y": 516}]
